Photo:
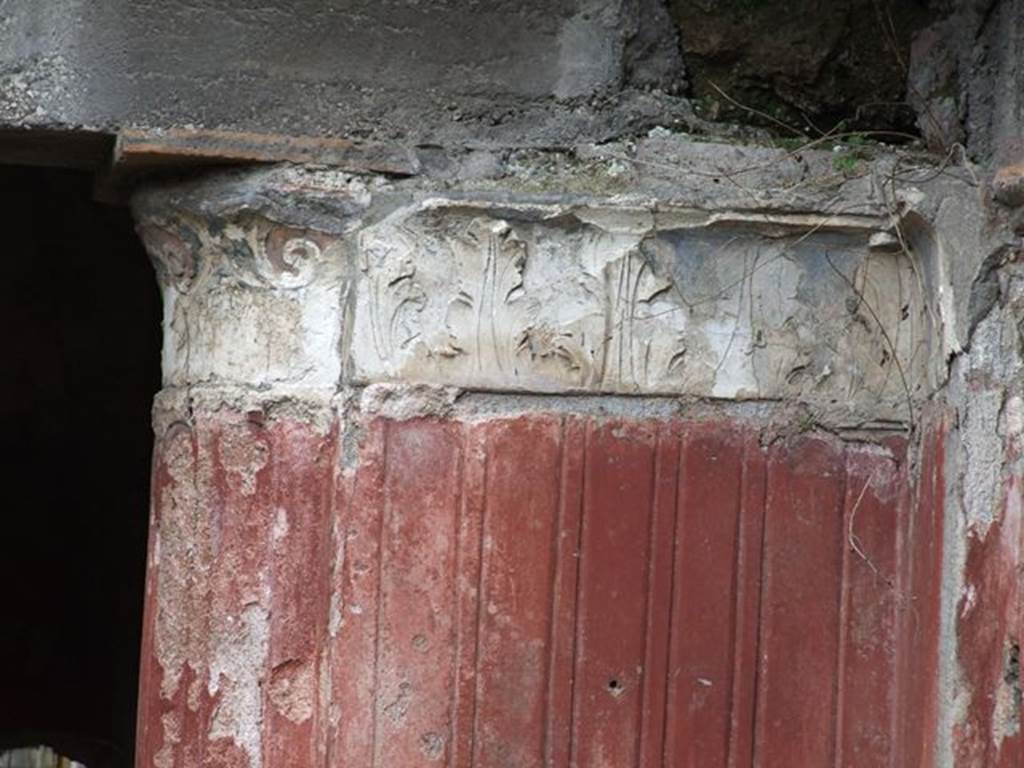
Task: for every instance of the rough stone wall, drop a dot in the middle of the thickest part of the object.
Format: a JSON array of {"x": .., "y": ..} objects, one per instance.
[
  {"x": 498, "y": 74},
  {"x": 982, "y": 600},
  {"x": 967, "y": 81},
  {"x": 447, "y": 73}
]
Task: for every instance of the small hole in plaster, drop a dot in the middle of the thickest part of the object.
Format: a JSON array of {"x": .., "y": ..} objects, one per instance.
[{"x": 1011, "y": 675}]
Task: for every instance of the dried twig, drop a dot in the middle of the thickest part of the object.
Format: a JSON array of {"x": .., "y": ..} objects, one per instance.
[
  {"x": 852, "y": 537},
  {"x": 751, "y": 110}
]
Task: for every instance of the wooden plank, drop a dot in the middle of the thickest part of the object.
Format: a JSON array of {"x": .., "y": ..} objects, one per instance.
[
  {"x": 138, "y": 154},
  {"x": 151, "y": 148}
]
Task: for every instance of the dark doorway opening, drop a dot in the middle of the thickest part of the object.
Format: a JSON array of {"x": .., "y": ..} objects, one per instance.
[{"x": 80, "y": 314}]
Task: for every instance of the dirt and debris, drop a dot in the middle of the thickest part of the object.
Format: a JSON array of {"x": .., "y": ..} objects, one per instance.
[{"x": 820, "y": 64}]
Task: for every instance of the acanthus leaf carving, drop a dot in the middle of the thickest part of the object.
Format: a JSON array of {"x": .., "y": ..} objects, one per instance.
[
  {"x": 543, "y": 342},
  {"x": 636, "y": 297},
  {"x": 395, "y": 297},
  {"x": 642, "y": 340},
  {"x": 490, "y": 260}
]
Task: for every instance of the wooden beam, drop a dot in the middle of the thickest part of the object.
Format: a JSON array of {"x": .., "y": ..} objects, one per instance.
[
  {"x": 139, "y": 153},
  {"x": 150, "y": 148}
]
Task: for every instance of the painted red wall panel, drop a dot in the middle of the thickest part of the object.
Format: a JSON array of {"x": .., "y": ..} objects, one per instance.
[
  {"x": 919, "y": 606},
  {"x": 299, "y": 555},
  {"x": 610, "y": 609},
  {"x": 416, "y": 595},
  {"x": 236, "y": 594},
  {"x": 872, "y": 510},
  {"x": 353, "y": 614},
  {"x": 515, "y": 613},
  {"x": 542, "y": 590},
  {"x": 656, "y": 674},
  {"x": 703, "y": 646},
  {"x": 799, "y": 646}
]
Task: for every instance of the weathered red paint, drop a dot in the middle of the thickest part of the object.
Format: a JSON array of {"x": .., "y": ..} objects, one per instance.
[
  {"x": 541, "y": 590},
  {"x": 918, "y": 602},
  {"x": 224, "y": 578},
  {"x": 800, "y": 622},
  {"x": 872, "y": 604},
  {"x": 989, "y": 630}
]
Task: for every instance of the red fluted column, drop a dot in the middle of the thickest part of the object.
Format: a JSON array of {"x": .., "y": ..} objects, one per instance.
[{"x": 504, "y": 484}]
